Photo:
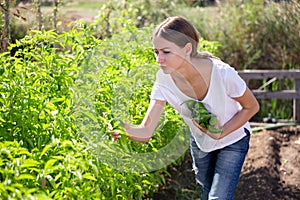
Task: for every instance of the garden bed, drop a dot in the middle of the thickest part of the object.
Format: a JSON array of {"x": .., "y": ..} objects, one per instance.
[{"x": 271, "y": 170}]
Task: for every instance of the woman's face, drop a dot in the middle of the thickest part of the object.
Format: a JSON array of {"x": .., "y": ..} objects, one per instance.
[{"x": 169, "y": 56}]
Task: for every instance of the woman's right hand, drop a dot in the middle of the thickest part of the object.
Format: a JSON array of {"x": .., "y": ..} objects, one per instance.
[
  {"x": 138, "y": 133},
  {"x": 143, "y": 132},
  {"x": 115, "y": 134}
]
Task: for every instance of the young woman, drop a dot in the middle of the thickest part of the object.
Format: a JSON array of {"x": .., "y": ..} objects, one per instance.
[{"x": 188, "y": 75}]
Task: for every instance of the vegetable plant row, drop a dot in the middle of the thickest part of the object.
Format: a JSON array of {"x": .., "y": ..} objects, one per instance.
[{"x": 60, "y": 96}]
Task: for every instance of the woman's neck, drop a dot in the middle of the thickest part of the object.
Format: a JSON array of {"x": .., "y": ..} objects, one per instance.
[{"x": 193, "y": 78}]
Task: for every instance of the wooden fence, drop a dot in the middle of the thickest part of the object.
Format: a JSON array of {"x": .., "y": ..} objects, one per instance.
[{"x": 271, "y": 75}]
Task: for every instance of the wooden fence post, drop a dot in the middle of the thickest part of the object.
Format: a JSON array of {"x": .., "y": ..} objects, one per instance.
[{"x": 297, "y": 101}]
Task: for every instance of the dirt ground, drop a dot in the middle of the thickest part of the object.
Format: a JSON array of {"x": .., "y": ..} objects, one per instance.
[{"x": 271, "y": 170}]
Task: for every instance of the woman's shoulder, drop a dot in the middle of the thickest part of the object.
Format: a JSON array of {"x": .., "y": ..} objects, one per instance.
[
  {"x": 219, "y": 63},
  {"x": 224, "y": 70},
  {"x": 222, "y": 66}
]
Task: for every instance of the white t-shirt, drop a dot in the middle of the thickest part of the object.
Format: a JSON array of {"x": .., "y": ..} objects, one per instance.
[{"x": 225, "y": 83}]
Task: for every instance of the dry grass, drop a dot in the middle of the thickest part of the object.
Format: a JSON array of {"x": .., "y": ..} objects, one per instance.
[{"x": 72, "y": 11}]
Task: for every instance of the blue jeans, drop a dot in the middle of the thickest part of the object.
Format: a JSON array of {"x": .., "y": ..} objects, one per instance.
[{"x": 218, "y": 171}]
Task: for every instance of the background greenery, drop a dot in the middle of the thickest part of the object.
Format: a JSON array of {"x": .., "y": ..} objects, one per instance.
[
  {"x": 62, "y": 89},
  {"x": 252, "y": 34}
]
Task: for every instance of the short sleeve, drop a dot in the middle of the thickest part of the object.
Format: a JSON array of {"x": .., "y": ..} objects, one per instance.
[
  {"x": 156, "y": 92},
  {"x": 234, "y": 84},
  {"x": 157, "y": 89}
]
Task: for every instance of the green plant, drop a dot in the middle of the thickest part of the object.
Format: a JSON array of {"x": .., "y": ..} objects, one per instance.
[
  {"x": 255, "y": 35},
  {"x": 270, "y": 106},
  {"x": 36, "y": 91},
  {"x": 60, "y": 95},
  {"x": 201, "y": 116}
]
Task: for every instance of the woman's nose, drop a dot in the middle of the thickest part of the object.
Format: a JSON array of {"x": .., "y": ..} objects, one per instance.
[{"x": 160, "y": 58}]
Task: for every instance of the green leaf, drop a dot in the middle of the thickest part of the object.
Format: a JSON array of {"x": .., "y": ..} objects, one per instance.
[
  {"x": 23, "y": 151},
  {"x": 25, "y": 176},
  {"x": 213, "y": 120},
  {"x": 214, "y": 130},
  {"x": 30, "y": 191},
  {"x": 138, "y": 187},
  {"x": 29, "y": 163},
  {"x": 57, "y": 177},
  {"x": 56, "y": 100},
  {"x": 89, "y": 177},
  {"x": 50, "y": 106},
  {"x": 58, "y": 157},
  {"x": 91, "y": 116},
  {"x": 67, "y": 143},
  {"x": 2, "y": 120},
  {"x": 49, "y": 164},
  {"x": 42, "y": 196},
  {"x": 45, "y": 149}
]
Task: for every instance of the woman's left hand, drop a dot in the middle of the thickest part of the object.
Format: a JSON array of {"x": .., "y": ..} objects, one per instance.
[{"x": 215, "y": 136}]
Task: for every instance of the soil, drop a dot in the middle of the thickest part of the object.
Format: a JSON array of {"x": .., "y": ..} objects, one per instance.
[{"x": 271, "y": 170}]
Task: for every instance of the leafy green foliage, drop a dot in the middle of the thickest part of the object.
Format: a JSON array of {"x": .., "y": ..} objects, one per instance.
[
  {"x": 61, "y": 93},
  {"x": 254, "y": 34},
  {"x": 201, "y": 116},
  {"x": 36, "y": 92}
]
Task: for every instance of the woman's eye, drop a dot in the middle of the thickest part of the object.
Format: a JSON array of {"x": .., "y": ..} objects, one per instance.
[{"x": 165, "y": 52}]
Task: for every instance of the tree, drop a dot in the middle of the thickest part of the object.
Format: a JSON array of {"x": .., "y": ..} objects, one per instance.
[
  {"x": 5, "y": 35},
  {"x": 55, "y": 10},
  {"x": 39, "y": 3}
]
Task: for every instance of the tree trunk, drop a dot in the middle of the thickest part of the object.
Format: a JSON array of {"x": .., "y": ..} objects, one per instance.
[
  {"x": 5, "y": 36},
  {"x": 55, "y": 14},
  {"x": 39, "y": 3}
]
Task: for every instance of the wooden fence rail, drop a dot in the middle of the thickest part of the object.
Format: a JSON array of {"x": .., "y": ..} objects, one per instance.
[{"x": 271, "y": 75}]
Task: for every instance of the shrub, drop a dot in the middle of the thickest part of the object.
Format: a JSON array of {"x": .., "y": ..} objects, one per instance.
[
  {"x": 60, "y": 94},
  {"x": 255, "y": 35}
]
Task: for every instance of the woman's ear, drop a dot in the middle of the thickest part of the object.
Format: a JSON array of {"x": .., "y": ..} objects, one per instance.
[{"x": 188, "y": 48}]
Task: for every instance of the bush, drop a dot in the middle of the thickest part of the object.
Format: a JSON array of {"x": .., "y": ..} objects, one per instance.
[
  {"x": 60, "y": 94},
  {"x": 255, "y": 35},
  {"x": 40, "y": 125}
]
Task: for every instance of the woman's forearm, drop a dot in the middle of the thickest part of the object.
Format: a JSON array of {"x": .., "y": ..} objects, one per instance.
[
  {"x": 236, "y": 122},
  {"x": 250, "y": 108},
  {"x": 144, "y": 131}
]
